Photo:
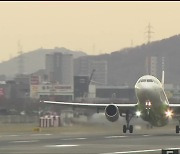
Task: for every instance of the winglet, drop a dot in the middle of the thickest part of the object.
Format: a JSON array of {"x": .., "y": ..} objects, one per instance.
[{"x": 162, "y": 81}]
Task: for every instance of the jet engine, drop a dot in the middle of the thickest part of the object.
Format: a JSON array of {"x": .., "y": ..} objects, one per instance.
[{"x": 112, "y": 112}]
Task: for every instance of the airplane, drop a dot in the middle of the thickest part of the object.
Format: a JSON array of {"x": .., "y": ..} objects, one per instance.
[{"x": 152, "y": 105}]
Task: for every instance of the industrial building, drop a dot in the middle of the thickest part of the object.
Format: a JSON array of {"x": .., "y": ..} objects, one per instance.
[
  {"x": 59, "y": 68},
  {"x": 85, "y": 66},
  {"x": 59, "y": 83},
  {"x": 100, "y": 75},
  {"x": 120, "y": 94}
]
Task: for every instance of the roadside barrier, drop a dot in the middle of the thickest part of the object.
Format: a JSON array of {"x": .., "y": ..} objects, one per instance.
[{"x": 50, "y": 121}]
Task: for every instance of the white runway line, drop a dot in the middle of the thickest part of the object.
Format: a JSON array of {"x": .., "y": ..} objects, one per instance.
[
  {"x": 11, "y": 135},
  {"x": 139, "y": 151},
  {"x": 20, "y": 141},
  {"x": 146, "y": 135},
  {"x": 41, "y": 134},
  {"x": 61, "y": 145},
  {"x": 74, "y": 139},
  {"x": 109, "y": 137}
]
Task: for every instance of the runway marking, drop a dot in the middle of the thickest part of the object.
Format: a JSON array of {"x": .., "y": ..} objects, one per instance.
[
  {"x": 134, "y": 151},
  {"x": 55, "y": 146},
  {"x": 146, "y": 135},
  {"x": 41, "y": 134},
  {"x": 11, "y": 135},
  {"x": 20, "y": 141},
  {"x": 114, "y": 136},
  {"x": 74, "y": 139}
]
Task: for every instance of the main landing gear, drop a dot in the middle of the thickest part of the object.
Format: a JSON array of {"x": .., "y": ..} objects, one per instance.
[
  {"x": 127, "y": 126},
  {"x": 178, "y": 128}
]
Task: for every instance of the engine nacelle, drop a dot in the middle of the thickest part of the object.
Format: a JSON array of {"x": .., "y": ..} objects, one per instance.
[{"x": 112, "y": 112}]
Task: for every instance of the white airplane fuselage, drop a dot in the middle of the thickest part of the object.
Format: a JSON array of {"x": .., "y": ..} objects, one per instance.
[{"x": 152, "y": 100}]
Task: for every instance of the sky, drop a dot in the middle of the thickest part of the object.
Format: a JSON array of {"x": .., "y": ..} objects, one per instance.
[{"x": 92, "y": 27}]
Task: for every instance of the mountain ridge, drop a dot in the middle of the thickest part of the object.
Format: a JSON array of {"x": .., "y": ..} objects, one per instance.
[{"x": 33, "y": 60}]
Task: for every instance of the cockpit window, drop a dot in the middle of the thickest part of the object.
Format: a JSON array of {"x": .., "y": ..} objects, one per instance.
[
  {"x": 149, "y": 80},
  {"x": 142, "y": 80}
]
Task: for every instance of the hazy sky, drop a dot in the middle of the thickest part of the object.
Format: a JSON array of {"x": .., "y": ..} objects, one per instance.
[{"x": 93, "y": 27}]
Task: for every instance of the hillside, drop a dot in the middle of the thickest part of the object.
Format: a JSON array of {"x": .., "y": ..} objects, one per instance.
[
  {"x": 127, "y": 65},
  {"x": 33, "y": 61},
  {"x": 124, "y": 66}
]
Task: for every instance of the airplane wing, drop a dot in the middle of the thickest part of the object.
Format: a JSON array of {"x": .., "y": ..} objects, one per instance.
[
  {"x": 174, "y": 105},
  {"x": 89, "y": 104},
  {"x": 176, "y": 110}
]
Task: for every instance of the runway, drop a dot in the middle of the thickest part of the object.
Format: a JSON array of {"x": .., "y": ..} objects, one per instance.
[{"x": 89, "y": 143}]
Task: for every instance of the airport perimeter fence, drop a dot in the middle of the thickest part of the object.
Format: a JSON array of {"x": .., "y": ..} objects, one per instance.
[
  {"x": 18, "y": 119},
  {"x": 45, "y": 121}
]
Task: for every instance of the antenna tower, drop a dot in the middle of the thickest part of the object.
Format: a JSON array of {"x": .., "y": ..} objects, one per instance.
[{"x": 149, "y": 32}]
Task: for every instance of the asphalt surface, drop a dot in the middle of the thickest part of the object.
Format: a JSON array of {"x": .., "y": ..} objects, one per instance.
[{"x": 90, "y": 142}]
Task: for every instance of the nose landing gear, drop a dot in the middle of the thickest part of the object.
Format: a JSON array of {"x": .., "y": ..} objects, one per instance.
[{"x": 178, "y": 128}]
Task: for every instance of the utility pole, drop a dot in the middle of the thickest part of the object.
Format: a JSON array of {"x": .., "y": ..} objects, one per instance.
[
  {"x": 148, "y": 57},
  {"x": 20, "y": 59}
]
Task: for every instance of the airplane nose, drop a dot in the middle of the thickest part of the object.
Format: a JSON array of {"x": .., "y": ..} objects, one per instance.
[{"x": 144, "y": 88}]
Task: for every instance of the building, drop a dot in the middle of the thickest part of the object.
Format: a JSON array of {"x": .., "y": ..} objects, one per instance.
[
  {"x": 100, "y": 74},
  {"x": 49, "y": 66},
  {"x": 81, "y": 66},
  {"x": 53, "y": 92},
  {"x": 58, "y": 85},
  {"x": 120, "y": 94},
  {"x": 12, "y": 89},
  {"x": 59, "y": 68},
  {"x": 81, "y": 86},
  {"x": 85, "y": 65},
  {"x": 151, "y": 65}
]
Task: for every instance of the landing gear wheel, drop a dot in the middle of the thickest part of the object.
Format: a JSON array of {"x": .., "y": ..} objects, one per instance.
[
  {"x": 177, "y": 129},
  {"x": 131, "y": 128},
  {"x": 124, "y": 128},
  {"x": 128, "y": 127}
]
